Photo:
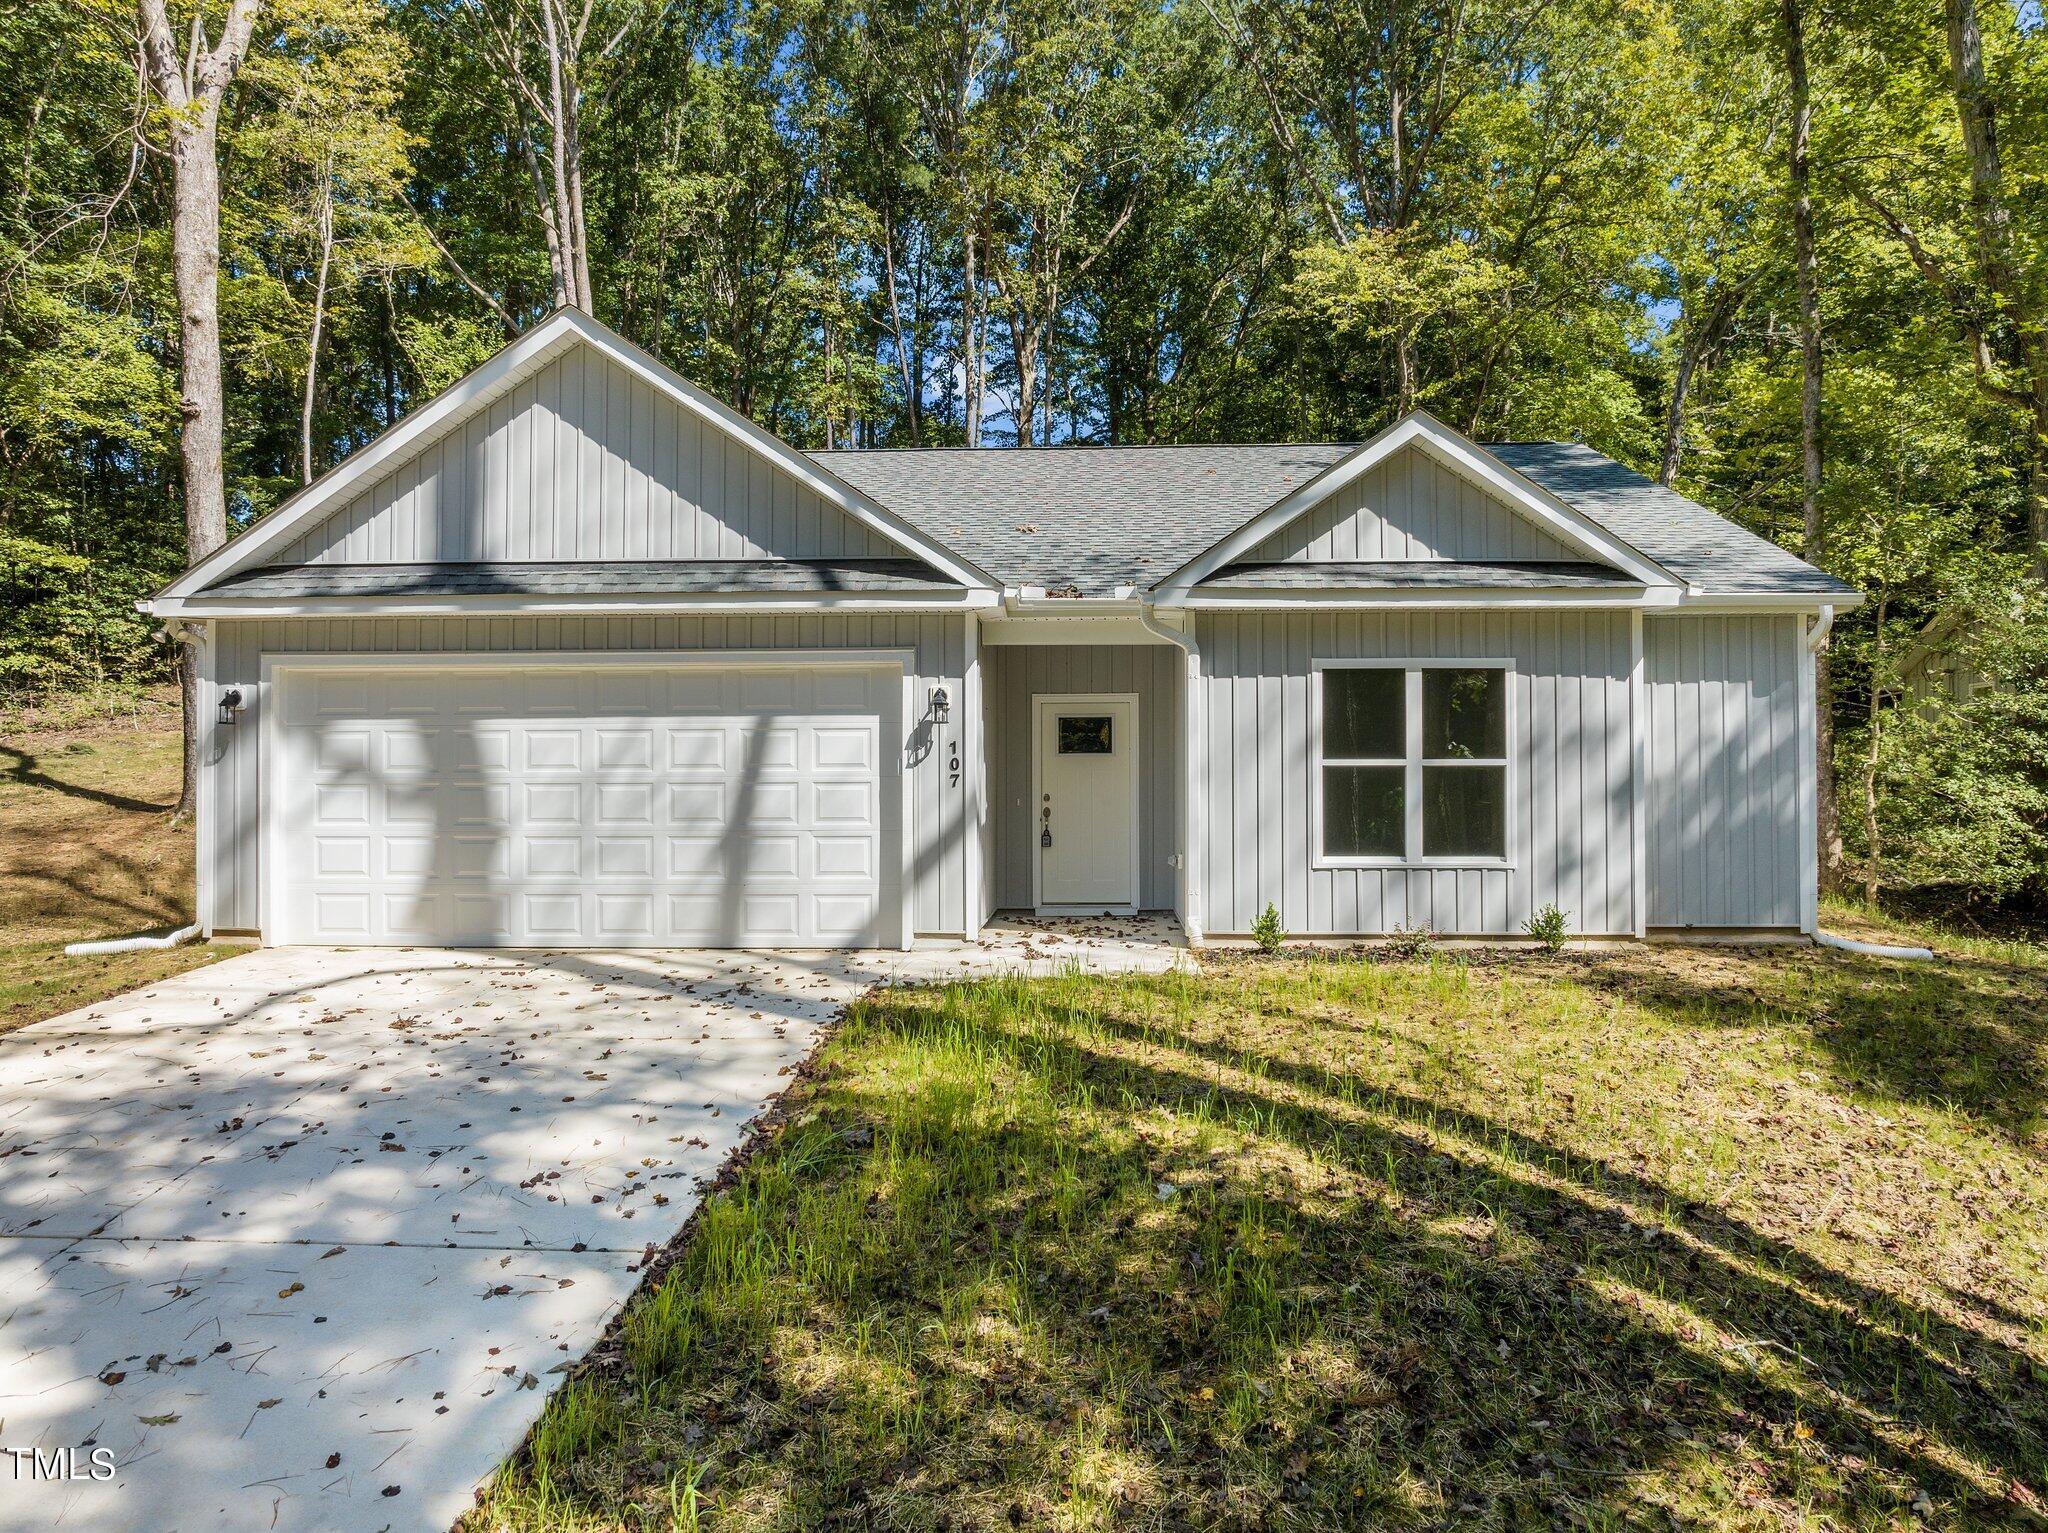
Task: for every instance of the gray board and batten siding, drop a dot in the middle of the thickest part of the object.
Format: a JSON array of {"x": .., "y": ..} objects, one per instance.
[
  {"x": 584, "y": 461},
  {"x": 1572, "y": 798},
  {"x": 230, "y": 846},
  {"x": 1410, "y": 507},
  {"x": 1725, "y": 723},
  {"x": 1730, "y": 736}
]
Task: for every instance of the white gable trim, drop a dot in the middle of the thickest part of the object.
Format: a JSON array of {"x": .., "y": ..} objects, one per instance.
[
  {"x": 554, "y": 336},
  {"x": 1461, "y": 456}
]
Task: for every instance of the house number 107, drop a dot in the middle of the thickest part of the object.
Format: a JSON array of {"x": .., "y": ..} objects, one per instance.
[{"x": 953, "y": 763}]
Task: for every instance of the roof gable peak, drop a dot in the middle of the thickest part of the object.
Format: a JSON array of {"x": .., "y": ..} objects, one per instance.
[
  {"x": 546, "y": 342},
  {"x": 1463, "y": 457}
]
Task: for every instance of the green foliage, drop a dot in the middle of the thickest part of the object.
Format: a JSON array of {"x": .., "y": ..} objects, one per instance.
[
  {"x": 69, "y": 622},
  {"x": 1549, "y": 926},
  {"x": 1267, "y": 931},
  {"x": 1112, "y": 220},
  {"x": 1960, "y": 784}
]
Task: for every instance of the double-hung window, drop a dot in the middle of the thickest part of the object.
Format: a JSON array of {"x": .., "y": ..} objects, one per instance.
[{"x": 1412, "y": 762}]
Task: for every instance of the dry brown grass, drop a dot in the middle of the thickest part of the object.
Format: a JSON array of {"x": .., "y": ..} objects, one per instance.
[{"x": 88, "y": 849}]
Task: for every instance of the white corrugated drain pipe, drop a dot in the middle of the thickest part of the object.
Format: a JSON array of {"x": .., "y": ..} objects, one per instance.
[
  {"x": 177, "y": 938},
  {"x": 1870, "y": 949}
]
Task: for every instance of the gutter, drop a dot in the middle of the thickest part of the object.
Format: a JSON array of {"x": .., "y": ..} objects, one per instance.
[
  {"x": 1191, "y": 760},
  {"x": 1817, "y": 635}
]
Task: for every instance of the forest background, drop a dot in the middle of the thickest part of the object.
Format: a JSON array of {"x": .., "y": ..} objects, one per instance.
[{"x": 1790, "y": 258}]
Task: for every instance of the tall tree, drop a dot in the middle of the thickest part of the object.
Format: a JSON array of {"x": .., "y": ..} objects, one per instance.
[
  {"x": 1806, "y": 279},
  {"x": 191, "y": 83},
  {"x": 545, "y": 57}
]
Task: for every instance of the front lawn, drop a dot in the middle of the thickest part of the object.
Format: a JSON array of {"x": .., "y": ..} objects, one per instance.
[
  {"x": 88, "y": 849},
  {"x": 1735, "y": 1239}
]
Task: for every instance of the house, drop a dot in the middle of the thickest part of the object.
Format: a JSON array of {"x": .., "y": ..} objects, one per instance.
[
  {"x": 576, "y": 656},
  {"x": 1938, "y": 663}
]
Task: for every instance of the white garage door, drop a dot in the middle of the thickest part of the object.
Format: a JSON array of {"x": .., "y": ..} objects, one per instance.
[{"x": 587, "y": 806}]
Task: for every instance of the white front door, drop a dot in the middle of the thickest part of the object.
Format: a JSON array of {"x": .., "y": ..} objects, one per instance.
[{"x": 1085, "y": 806}]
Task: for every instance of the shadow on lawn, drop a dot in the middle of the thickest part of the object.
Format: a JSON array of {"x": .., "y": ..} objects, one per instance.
[
  {"x": 26, "y": 769},
  {"x": 1962, "y": 1032},
  {"x": 1856, "y": 1359},
  {"x": 1434, "y": 1320}
]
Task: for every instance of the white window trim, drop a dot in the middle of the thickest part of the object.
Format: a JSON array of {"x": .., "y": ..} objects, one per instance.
[{"x": 1412, "y": 762}]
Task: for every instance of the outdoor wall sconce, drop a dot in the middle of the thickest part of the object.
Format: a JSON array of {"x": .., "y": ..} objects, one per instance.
[
  {"x": 230, "y": 704},
  {"x": 942, "y": 705}
]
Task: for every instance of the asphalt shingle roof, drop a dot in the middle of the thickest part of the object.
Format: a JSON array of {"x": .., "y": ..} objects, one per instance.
[
  {"x": 610, "y": 578},
  {"x": 1087, "y": 519},
  {"x": 1682, "y": 535},
  {"x": 1392, "y": 574}
]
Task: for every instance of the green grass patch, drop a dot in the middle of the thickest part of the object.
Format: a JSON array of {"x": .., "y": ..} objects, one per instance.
[{"x": 1736, "y": 1239}]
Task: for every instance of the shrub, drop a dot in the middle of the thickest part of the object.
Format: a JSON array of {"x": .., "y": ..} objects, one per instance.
[
  {"x": 68, "y": 623},
  {"x": 1267, "y": 931},
  {"x": 1549, "y": 927},
  {"x": 1404, "y": 943}
]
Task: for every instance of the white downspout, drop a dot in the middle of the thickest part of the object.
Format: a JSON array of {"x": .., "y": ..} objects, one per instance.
[{"x": 1190, "y": 813}]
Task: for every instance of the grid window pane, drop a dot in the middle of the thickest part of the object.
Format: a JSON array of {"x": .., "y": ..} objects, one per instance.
[
  {"x": 1464, "y": 714},
  {"x": 1365, "y": 811},
  {"x": 1088, "y": 736},
  {"x": 1465, "y": 811},
  {"x": 1365, "y": 713}
]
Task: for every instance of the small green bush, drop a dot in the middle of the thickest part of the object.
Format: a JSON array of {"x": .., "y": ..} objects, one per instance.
[
  {"x": 1403, "y": 943},
  {"x": 1267, "y": 931},
  {"x": 1550, "y": 927}
]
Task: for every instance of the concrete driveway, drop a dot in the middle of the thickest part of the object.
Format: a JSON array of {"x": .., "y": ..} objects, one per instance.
[{"x": 304, "y": 1240}]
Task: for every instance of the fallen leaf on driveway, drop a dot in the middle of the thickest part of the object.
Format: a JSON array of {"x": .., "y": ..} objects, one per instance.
[
  {"x": 336, "y": 1251},
  {"x": 334, "y": 1461},
  {"x": 112, "y": 1376},
  {"x": 158, "y": 1421},
  {"x": 286, "y": 1293}
]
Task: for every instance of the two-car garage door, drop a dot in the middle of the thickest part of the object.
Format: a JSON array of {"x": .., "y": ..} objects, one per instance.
[{"x": 600, "y": 805}]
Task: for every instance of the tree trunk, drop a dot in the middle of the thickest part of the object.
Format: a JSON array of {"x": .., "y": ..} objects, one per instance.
[
  {"x": 191, "y": 84},
  {"x": 202, "y": 409},
  {"x": 1991, "y": 224},
  {"x": 970, "y": 349},
  {"x": 1827, "y": 820},
  {"x": 1674, "y": 418},
  {"x": 1873, "y": 861},
  {"x": 910, "y": 386},
  {"x": 313, "y": 342},
  {"x": 1701, "y": 336},
  {"x": 1404, "y": 367},
  {"x": 1024, "y": 348}
]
